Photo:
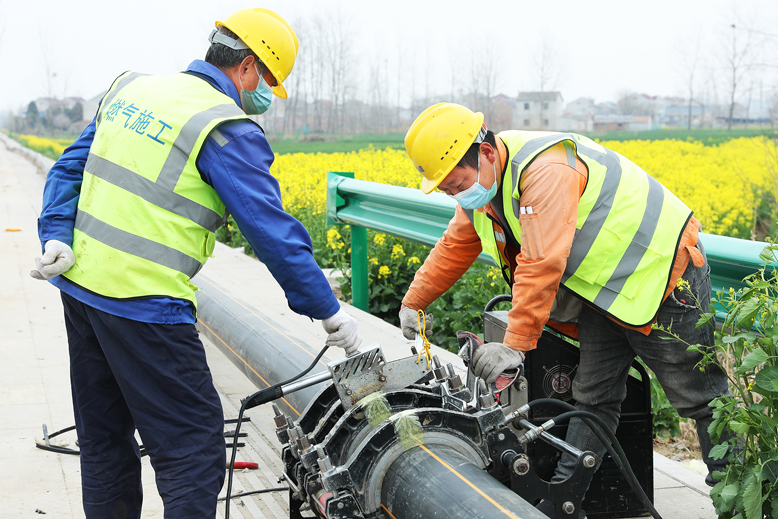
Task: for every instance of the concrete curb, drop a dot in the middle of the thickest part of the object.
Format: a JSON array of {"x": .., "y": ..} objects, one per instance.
[{"x": 41, "y": 162}]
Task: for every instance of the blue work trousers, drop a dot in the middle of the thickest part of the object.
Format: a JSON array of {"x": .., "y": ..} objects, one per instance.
[
  {"x": 607, "y": 352},
  {"x": 128, "y": 375}
]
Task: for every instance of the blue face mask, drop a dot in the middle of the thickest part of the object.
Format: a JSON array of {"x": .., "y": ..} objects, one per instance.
[
  {"x": 477, "y": 195},
  {"x": 256, "y": 102}
]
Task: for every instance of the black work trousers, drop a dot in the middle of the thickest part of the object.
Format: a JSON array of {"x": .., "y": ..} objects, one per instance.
[{"x": 128, "y": 375}]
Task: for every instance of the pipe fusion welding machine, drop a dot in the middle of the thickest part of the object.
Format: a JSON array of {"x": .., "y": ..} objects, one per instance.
[{"x": 410, "y": 439}]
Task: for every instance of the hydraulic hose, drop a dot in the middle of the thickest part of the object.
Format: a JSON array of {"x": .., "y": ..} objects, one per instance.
[
  {"x": 595, "y": 423},
  {"x": 260, "y": 397},
  {"x": 252, "y": 492},
  {"x": 597, "y": 432}
]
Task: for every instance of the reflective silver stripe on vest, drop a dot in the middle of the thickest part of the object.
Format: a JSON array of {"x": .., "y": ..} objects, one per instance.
[
  {"x": 587, "y": 234},
  {"x": 220, "y": 139},
  {"x": 136, "y": 245},
  {"x": 153, "y": 193},
  {"x": 589, "y": 231},
  {"x": 186, "y": 140},
  {"x": 110, "y": 96},
  {"x": 528, "y": 149},
  {"x": 637, "y": 247},
  {"x": 584, "y": 238},
  {"x": 570, "y": 154},
  {"x": 534, "y": 145},
  {"x": 500, "y": 237}
]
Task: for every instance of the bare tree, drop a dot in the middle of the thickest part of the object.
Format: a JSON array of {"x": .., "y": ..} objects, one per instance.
[
  {"x": 690, "y": 57},
  {"x": 710, "y": 93},
  {"x": 484, "y": 77},
  {"x": 48, "y": 69},
  {"x": 738, "y": 64},
  {"x": 315, "y": 70},
  {"x": 548, "y": 67},
  {"x": 377, "y": 95},
  {"x": 631, "y": 103},
  {"x": 329, "y": 61}
]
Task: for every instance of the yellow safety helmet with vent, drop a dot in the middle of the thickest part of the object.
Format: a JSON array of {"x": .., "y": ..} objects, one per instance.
[
  {"x": 439, "y": 138},
  {"x": 271, "y": 39}
]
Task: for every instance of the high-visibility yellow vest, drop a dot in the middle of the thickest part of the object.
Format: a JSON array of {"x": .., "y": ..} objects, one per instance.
[
  {"x": 146, "y": 220},
  {"x": 627, "y": 232}
]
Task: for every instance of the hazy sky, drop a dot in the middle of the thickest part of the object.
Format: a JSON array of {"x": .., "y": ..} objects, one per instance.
[{"x": 604, "y": 47}]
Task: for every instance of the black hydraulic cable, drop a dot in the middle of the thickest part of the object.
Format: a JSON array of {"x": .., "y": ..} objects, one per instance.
[
  {"x": 619, "y": 458},
  {"x": 66, "y": 429},
  {"x": 262, "y": 491},
  {"x": 235, "y": 420},
  {"x": 260, "y": 397},
  {"x": 604, "y": 440},
  {"x": 57, "y": 449},
  {"x": 67, "y": 450},
  {"x": 628, "y": 473},
  {"x": 626, "y": 468}
]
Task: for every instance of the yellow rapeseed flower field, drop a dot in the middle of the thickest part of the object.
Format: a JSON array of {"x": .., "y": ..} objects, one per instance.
[
  {"x": 723, "y": 184},
  {"x": 52, "y": 148}
]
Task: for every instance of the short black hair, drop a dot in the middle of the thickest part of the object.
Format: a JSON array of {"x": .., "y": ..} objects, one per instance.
[
  {"x": 223, "y": 57},
  {"x": 471, "y": 156}
]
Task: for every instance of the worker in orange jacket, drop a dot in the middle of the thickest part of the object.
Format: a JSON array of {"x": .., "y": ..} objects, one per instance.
[{"x": 589, "y": 244}]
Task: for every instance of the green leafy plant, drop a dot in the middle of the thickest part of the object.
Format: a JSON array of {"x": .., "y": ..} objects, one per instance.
[
  {"x": 392, "y": 263},
  {"x": 666, "y": 421},
  {"x": 230, "y": 235},
  {"x": 747, "y": 344},
  {"x": 462, "y": 306}
]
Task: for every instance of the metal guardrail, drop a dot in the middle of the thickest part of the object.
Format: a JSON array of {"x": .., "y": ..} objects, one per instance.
[{"x": 410, "y": 214}]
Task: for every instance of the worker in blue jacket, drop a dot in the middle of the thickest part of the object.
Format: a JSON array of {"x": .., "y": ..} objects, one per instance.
[{"x": 128, "y": 218}]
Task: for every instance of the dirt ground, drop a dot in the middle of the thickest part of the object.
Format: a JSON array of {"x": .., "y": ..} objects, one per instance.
[{"x": 684, "y": 447}]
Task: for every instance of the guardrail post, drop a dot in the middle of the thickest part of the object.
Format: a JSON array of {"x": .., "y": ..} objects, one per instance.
[{"x": 359, "y": 279}]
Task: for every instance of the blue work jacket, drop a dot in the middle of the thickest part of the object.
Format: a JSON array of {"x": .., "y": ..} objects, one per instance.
[{"x": 239, "y": 171}]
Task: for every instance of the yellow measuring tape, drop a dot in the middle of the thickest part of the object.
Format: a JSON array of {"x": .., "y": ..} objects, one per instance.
[{"x": 421, "y": 320}]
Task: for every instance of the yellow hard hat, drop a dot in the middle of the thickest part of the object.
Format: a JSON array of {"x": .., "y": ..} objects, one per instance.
[
  {"x": 270, "y": 37},
  {"x": 439, "y": 138}
]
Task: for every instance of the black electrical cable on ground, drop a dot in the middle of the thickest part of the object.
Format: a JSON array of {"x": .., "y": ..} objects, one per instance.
[
  {"x": 260, "y": 397},
  {"x": 591, "y": 419},
  {"x": 262, "y": 491},
  {"x": 57, "y": 448},
  {"x": 67, "y": 450}
]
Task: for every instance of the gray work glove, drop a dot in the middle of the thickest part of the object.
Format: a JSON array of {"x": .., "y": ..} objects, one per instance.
[
  {"x": 409, "y": 323},
  {"x": 57, "y": 259},
  {"x": 342, "y": 330},
  {"x": 492, "y": 358}
]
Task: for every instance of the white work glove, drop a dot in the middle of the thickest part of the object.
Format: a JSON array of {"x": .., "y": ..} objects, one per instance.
[
  {"x": 57, "y": 259},
  {"x": 342, "y": 330},
  {"x": 409, "y": 323},
  {"x": 493, "y": 358}
]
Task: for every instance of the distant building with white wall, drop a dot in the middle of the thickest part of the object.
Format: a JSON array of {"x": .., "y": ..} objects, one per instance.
[{"x": 538, "y": 111}]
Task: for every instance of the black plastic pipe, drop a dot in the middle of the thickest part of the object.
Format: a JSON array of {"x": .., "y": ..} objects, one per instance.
[
  {"x": 264, "y": 351},
  {"x": 425, "y": 482},
  {"x": 430, "y": 482}
]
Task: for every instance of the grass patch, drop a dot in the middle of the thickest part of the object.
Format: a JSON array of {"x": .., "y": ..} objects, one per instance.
[
  {"x": 336, "y": 144},
  {"x": 708, "y": 137}
]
